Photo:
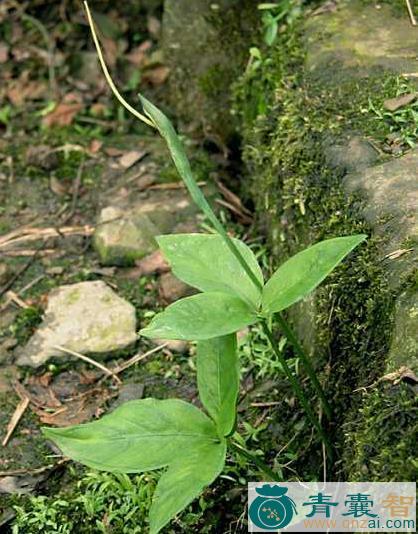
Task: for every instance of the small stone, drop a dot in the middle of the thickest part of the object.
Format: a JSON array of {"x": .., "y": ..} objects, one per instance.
[
  {"x": 4, "y": 273},
  {"x": 88, "y": 318},
  {"x": 172, "y": 289},
  {"x": 356, "y": 154},
  {"x": 54, "y": 271},
  {"x": 174, "y": 345},
  {"x": 123, "y": 237},
  {"x": 129, "y": 392}
]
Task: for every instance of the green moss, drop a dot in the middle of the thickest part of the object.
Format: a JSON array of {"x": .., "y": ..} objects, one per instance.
[
  {"x": 25, "y": 323},
  {"x": 288, "y": 118},
  {"x": 382, "y": 445}
]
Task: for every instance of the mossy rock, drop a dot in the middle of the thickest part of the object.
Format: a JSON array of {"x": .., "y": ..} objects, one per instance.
[
  {"x": 206, "y": 46},
  {"x": 318, "y": 166}
]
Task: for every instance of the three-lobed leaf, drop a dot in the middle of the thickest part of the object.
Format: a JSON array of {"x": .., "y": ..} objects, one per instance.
[
  {"x": 201, "y": 316},
  {"x": 302, "y": 273},
  {"x": 184, "y": 480},
  {"x": 206, "y": 262},
  {"x": 150, "y": 434},
  {"x": 218, "y": 380}
]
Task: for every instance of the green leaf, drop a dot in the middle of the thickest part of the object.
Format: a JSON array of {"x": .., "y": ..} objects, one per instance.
[
  {"x": 179, "y": 156},
  {"x": 302, "y": 273},
  {"x": 218, "y": 380},
  {"x": 184, "y": 481},
  {"x": 182, "y": 165},
  {"x": 206, "y": 262},
  {"x": 271, "y": 33},
  {"x": 150, "y": 434},
  {"x": 139, "y": 436},
  {"x": 201, "y": 316}
]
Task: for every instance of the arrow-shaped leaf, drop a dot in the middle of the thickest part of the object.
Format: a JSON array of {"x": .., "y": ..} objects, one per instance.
[{"x": 150, "y": 434}]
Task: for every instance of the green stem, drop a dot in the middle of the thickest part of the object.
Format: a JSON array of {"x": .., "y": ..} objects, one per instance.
[
  {"x": 255, "y": 460},
  {"x": 297, "y": 388},
  {"x": 284, "y": 325}
]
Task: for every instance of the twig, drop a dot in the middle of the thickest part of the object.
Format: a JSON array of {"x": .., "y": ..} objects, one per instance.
[
  {"x": 14, "y": 297},
  {"x": 16, "y": 417},
  {"x": 265, "y": 404},
  {"x": 34, "y": 234},
  {"x": 411, "y": 13},
  {"x": 172, "y": 185},
  {"x": 37, "y": 471},
  {"x": 89, "y": 360},
  {"x": 27, "y": 252},
  {"x": 137, "y": 358}
]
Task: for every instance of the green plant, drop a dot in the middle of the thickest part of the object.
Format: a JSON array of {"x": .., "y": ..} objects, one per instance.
[
  {"x": 402, "y": 123},
  {"x": 274, "y": 13},
  {"x": 151, "y": 434},
  {"x": 100, "y": 502}
]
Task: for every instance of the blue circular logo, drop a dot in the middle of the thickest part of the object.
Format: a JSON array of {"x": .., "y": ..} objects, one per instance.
[{"x": 273, "y": 509}]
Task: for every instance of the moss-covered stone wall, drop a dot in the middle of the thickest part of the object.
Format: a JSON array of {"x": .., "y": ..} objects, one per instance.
[
  {"x": 314, "y": 124},
  {"x": 323, "y": 157}
]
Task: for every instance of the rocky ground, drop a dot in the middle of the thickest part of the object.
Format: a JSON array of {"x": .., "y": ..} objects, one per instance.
[
  {"x": 83, "y": 193},
  {"x": 321, "y": 142}
]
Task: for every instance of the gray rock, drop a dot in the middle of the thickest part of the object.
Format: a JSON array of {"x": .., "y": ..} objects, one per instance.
[
  {"x": 404, "y": 346},
  {"x": 206, "y": 46},
  {"x": 126, "y": 231},
  {"x": 129, "y": 392},
  {"x": 391, "y": 202},
  {"x": 354, "y": 154},
  {"x": 360, "y": 38},
  {"x": 88, "y": 318},
  {"x": 121, "y": 238}
]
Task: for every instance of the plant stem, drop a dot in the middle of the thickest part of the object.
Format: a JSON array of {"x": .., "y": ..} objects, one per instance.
[
  {"x": 255, "y": 460},
  {"x": 297, "y": 388},
  {"x": 288, "y": 332}
]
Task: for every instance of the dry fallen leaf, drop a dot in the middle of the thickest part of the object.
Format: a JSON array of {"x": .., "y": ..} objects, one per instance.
[
  {"x": 138, "y": 55},
  {"x": 153, "y": 263},
  {"x": 95, "y": 146},
  {"x": 113, "y": 152},
  {"x": 392, "y": 104},
  {"x": 130, "y": 158},
  {"x": 154, "y": 26},
  {"x": 57, "y": 186},
  {"x": 62, "y": 115},
  {"x": 156, "y": 76},
  {"x": 21, "y": 90}
]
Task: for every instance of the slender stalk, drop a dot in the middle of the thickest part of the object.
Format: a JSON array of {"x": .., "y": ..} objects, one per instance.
[
  {"x": 297, "y": 388},
  {"x": 255, "y": 460},
  {"x": 288, "y": 332}
]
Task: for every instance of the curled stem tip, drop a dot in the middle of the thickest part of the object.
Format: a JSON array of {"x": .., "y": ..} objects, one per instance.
[{"x": 106, "y": 73}]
